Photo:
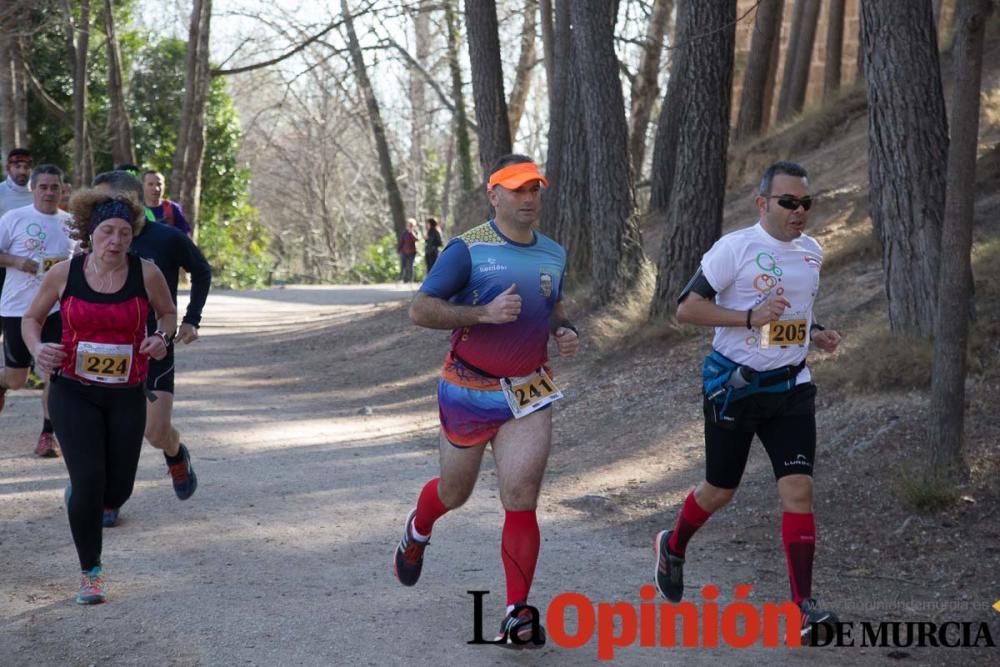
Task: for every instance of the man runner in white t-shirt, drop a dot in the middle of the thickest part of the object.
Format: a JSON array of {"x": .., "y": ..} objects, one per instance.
[
  {"x": 757, "y": 287},
  {"x": 32, "y": 240}
]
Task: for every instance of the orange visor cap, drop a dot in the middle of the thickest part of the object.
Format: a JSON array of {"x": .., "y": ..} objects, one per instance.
[{"x": 514, "y": 176}]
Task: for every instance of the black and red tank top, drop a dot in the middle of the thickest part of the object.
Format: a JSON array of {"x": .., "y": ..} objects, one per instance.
[{"x": 101, "y": 333}]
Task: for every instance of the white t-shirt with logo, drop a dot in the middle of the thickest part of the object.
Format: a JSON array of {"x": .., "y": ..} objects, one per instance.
[
  {"x": 27, "y": 232},
  {"x": 749, "y": 266}
]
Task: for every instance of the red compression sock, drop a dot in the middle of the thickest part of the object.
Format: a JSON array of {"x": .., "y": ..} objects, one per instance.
[
  {"x": 519, "y": 545},
  {"x": 798, "y": 532},
  {"x": 429, "y": 508},
  {"x": 691, "y": 519}
]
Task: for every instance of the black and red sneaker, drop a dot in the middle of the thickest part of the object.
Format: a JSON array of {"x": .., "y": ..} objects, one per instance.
[
  {"x": 521, "y": 628},
  {"x": 409, "y": 560},
  {"x": 182, "y": 474},
  {"x": 669, "y": 574},
  {"x": 816, "y": 622}
]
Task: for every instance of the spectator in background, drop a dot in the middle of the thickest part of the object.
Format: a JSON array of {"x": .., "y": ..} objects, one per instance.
[
  {"x": 407, "y": 249},
  {"x": 432, "y": 244}
]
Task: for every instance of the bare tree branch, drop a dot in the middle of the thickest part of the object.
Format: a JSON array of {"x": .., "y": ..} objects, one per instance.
[{"x": 412, "y": 62}]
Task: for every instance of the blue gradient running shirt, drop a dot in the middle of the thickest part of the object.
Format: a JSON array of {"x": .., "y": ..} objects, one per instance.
[{"x": 476, "y": 267}]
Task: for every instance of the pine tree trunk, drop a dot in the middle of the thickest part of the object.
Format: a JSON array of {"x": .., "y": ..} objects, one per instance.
[
  {"x": 834, "y": 49},
  {"x": 615, "y": 241},
  {"x": 463, "y": 144},
  {"x": 20, "y": 76},
  {"x": 418, "y": 106},
  {"x": 759, "y": 75},
  {"x": 661, "y": 176},
  {"x": 908, "y": 152},
  {"x": 694, "y": 216},
  {"x": 122, "y": 146},
  {"x": 525, "y": 67},
  {"x": 378, "y": 128},
  {"x": 794, "y": 36},
  {"x": 548, "y": 46},
  {"x": 81, "y": 176},
  {"x": 951, "y": 333},
  {"x": 487, "y": 82},
  {"x": 566, "y": 203},
  {"x": 185, "y": 185},
  {"x": 645, "y": 88},
  {"x": 799, "y": 62},
  {"x": 8, "y": 128}
]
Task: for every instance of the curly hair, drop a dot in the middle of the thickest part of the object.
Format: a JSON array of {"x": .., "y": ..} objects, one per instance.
[{"x": 82, "y": 205}]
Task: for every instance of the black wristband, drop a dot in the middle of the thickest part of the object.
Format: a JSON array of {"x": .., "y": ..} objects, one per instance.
[
  {"x": 816, "y": 327},
  {"x": 749, "y": 313},
  {"x": 566, "y": 324}
]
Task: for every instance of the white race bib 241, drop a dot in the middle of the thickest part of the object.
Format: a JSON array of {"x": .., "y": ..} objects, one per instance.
[{"x": 529, "y": 393}]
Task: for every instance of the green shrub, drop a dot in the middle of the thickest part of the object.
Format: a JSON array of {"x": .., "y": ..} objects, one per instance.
[
  {"x": 236, "y": 247},
  {"x": 382, "y": 264}
]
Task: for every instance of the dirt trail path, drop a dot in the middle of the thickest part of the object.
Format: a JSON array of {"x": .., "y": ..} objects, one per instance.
[{"x": 283, "y": 555}]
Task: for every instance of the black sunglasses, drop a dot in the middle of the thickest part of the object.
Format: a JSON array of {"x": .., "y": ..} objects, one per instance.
[{"x": 791, "y": 203}]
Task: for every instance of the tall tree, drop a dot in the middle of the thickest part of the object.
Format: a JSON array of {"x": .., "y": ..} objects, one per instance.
[
  {"x": 834, "y": 49},
  {"x": 759, "y": 75},
  {"x": 645, "y": 86},
  {"x": 78, "y": 41},
  {"x": 487, "y": 82},
  {"x": 375, "y": 119},
  {"x": 525, "y": 67},
  {"x": 615, "y": 240},
  {"x": 694, "y": 217},
  {"x": 185, "y": 180},
  {"x": 799, "y": 62},
  {"x": 9, "y": 18},
  {"x": 122, "y": 145},
  {"x": 566, "y": 203},
  {"x": 908, "y": 152},
  {"x": 668, "y": 126},
  {"x": 462, "y": 142},
  {"x": 548, "y": 46},
  {"x": 418, "y": 104},
  {"x": 951, "y": 331}
]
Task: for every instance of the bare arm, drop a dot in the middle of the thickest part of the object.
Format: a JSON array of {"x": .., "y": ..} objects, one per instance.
[
  {"x": 696, "y": 309},
  {"x": 25, "y": 264},
  {"x": 567, "y": 340},
  {"x": 47, "y": 355},
  {"x": 163, "y": 306},
  {"x": 434, "y": 313}
]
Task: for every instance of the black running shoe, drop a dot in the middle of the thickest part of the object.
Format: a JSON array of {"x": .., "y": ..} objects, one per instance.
[
  {"x": 669, "y": 569},
  {"x": 182, "y": 473},
  {"x": 518, "y": 629},
  {"x": 409, "y": 560},
  {"x": 812, "y": 615}
]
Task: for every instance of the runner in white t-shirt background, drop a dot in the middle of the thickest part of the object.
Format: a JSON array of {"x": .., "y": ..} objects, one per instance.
[
  {"x": 757, "y": 287},
  {"x": 32, "y": 240},
  {"x": 14, "y": 192}
]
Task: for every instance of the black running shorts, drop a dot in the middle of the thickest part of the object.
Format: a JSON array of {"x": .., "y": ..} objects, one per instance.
[
  {"x": 15, "y": 353},
  {"x": 785, "y": 423},
  {"x": 161, "y": 372}
]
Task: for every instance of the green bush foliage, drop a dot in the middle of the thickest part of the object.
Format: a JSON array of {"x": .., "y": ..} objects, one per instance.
[{"x": 382, "y": 264}]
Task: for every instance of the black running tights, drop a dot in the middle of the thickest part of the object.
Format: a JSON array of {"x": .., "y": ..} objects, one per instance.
[{"x": 100, "y": 433}]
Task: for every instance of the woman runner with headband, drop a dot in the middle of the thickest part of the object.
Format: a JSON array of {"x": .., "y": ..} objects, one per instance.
[{"x": 97, "y": 400}]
